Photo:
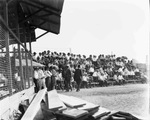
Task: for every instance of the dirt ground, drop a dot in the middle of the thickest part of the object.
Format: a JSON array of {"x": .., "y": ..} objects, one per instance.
[{"x": 132, "y": 98}]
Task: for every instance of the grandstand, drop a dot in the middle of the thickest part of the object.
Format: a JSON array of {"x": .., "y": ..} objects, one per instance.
[{"x": 18, "y": 21}]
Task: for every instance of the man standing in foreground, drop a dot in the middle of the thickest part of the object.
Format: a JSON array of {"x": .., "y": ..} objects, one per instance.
[
  {"x": 68, "y": 79},
  {"x": 78, "y": 77}
]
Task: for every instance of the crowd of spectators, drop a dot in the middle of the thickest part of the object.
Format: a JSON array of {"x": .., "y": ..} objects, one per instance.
[{"x": 94, "y": 68}]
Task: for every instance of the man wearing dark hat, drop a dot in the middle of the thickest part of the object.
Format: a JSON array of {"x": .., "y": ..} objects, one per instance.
[
  {"x": 78, "y": 77},
  {"x": 48, "y": 75},
  {"x": 68, "y": 78}
]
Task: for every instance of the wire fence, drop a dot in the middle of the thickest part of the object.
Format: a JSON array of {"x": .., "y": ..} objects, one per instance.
[{"x": 15, "y": 61}]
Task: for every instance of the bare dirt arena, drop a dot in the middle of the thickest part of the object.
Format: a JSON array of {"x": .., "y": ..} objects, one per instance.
[{"x": 132, "y": 98}]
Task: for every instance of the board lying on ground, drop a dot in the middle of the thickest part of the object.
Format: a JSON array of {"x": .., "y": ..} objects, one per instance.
[
  {"x": 70, "y": 101},
  {"x": 54, "y": 101},
  {"x": 34, "y": 106}
]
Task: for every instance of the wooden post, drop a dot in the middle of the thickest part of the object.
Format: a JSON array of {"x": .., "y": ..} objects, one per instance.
[
  {"x": 9, "y": 73},
  {"x": 26, "y": 58},
  {"x": 30, "y": 49},
  {"x": 20, "y": 67}
]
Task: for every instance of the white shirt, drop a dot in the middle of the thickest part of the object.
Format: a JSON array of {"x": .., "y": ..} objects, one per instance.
[
  {"x": 91, "y": 69},
  {"x": 95, "y": 74},
  {"x": 48, "y": 73},
  {"x": 136, "y": 70},
  {"x": 115, "y": 77},
  {"x": 120, "y": 77},
  {"x": 17, "y": 77},
  {"x": 36, "y": 74},
  {"x": 41, "y": 74},
  {"x": 126, "y": 72},
  {"x": 84, "y": 78}
]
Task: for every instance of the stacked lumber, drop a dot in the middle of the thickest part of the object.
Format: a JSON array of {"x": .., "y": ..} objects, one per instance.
[
  {"x": 75, "y": 108},
  {"x": 63, "y": 107}
]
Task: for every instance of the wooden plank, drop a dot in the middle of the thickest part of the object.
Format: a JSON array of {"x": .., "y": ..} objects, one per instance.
[
  {"x": 4, "y": 106},
  {"x": 88, "y": 105},
  {"x": 70, "y": 101},
  {"x": 74, "y": 113},
  {"x": 54, "y": 101},
  {"x": 27, "y": 94},
  {"x": 14, "y": 102},
  {"x": 34, "y": 106},
  {"x": 101, "y": 112}
]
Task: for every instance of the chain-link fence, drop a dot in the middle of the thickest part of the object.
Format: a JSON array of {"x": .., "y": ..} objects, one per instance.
[{"x": 15, "y": 60}]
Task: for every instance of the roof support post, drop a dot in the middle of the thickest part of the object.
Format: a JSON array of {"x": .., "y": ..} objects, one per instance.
[
  {"x": 30, "y": 49},
  {"x": 20, "y": 60},
  {"x": 26, "y": 58},
  {"x": 9, "y": 72}
]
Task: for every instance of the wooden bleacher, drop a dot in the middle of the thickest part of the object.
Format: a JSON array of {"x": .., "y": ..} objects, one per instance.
[{"x": 34, "y": 106}]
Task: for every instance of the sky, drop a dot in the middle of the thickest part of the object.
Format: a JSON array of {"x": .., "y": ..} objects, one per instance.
[{"x": 93, "y": 27}]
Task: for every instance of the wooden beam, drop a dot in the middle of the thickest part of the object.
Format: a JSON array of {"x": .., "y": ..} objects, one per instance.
[
  {"x": 45, "y": 29},
  {"x": 9, "y": 1},
  {"x": 41, "y": 23},
  {"x": 30, "y": 16},
  {"x": 31, "y": 3},
  {"x": 45, "y": 19},
  {"x": 46, "y": 6},
  {"x": 41, "y": 35}
]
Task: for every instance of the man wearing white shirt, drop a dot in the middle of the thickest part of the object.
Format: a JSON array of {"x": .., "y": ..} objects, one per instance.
[
  {"x": 41, "y": 81},
  {"x": 48, "y": 75},
  {"x": 121, "y": 79},
  {"x": 91, "y": 70}
]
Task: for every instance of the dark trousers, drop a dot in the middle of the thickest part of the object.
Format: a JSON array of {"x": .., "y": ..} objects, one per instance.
[
  {"x": 60, "y": 85},
  {"x": 52, "y": 83},
  {"x": 84, "y": 84},
  {"x": 78, "y": 84},
  {"x": 48, "y": 83},
  {"x": 68, "y": 84},
  {"x": 36, "y": 85}
]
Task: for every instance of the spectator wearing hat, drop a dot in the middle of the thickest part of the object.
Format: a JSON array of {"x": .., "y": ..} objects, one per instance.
[
  {"x": 59, "y": 80},
  {"x": 115, "y": 78},
  {"x": 85, "y": 80},
  {"x": 68, "y": 78},
  {"x": 48, "y": 75},
  {"x": 41, "y": 77},
  {"x": 121, "y": 80},
  {"x": 91, "y": 70},
  {"x": 34, "y": 56},
  {"x": 53, "y": 78},
  {"x": 78, "y": 77}
]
